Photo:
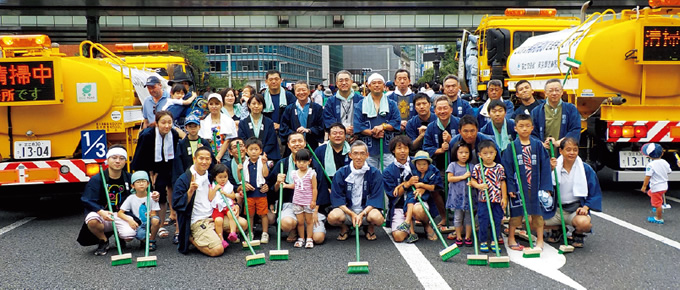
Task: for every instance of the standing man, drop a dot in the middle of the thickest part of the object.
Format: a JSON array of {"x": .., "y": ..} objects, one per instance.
[
  {"x": 525, "y": 94},
  {"x": 555, "y": 118},
  {"x": 340, "y": 108},
  {"x": 303, "y": 116},
  {"x": 357, "y": 195},
  {"x": 403, "y": 96},
  {"x": 377, "y": 117},
  {"x": 417, "y": 125},
  {"x": 452, "y": 90},
  {"x": 155, "y": 103},
  {"x": 276, "y": 98},
  {"x": 495, "y": 91}
]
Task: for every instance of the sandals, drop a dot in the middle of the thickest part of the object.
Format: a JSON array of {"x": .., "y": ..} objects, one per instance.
[
  {"x": 371, "y": 236},
  {"x": 299, "y": 243},
  {"x": 516, "y": 247},
  {"x": 309, "y": 244},
  {"x": 225, "y": 244},
  {"x": 554, "y": 237},
  {"x": 459, "y": 243},
  {"x": 451, "y": 236},
  {"x": 343, "y": 236},
  {"x": 432, "y": 236},
  {"x": 468, "y": 243},
  {"x": 163, "y": 233},
  {"x": 291, "y": 236},
  {"x": 233, "y": 237},
  {"x": 578, "y": 241}
]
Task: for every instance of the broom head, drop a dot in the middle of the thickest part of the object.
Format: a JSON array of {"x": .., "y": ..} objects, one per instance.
[
  {"x": 449, "y": 252},
  {"x": 532, "y": 253},
  {"x": 254, "y": 260},
  {"x": 123, "y": 259},
  {"x": 477, "y": 260},
  {"x": 499, "y": 262},
  {"x": 254, "y": 243},
  {"x": 566, "y": 249},
  {"x": 278, "y": 255},
  {"x": 149, "y": 261},
  {"x": 357, "y": 268}
]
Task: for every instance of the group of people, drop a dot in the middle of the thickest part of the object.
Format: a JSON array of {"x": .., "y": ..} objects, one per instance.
[{"x": 352, "y": 161}]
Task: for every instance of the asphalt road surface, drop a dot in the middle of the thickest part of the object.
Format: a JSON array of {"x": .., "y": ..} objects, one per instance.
[{"x": 38, "y": 250}]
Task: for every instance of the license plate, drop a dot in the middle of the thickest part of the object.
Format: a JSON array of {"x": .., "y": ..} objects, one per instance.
[
  {"x": 632, "y": 159},
  {"x": 32, "y": 149}
]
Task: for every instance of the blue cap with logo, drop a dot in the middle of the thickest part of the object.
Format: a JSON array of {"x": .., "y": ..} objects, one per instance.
[
  {"x": 192, "y": 119},
  {"x": 152, "y": 80}
]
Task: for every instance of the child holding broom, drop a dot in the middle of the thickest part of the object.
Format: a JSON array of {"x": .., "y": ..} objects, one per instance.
[
  {"x": 457, "y": 175},
  {"x": 429, "y": 181},
  {"x": 134, "y": 210},
  {"x": 494, "y": 174},
  {"x": 304, "y": 197},
  {"x": 534, "y": 167},
  {"x": 219, "y": 205},
  {"x": 254, "y": 170}
]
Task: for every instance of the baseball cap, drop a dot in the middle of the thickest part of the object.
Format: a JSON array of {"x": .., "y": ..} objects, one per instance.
[
  {"x": 192, "y": 119},
  {"x": 152, "y": 80},
  {"x": 214, "y": 96}
]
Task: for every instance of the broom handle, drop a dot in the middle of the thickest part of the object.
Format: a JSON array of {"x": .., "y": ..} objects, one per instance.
[
  {"x": 317, "y": 161},
  {"x": 488, "y": 206},
  {"x": 557, "y": 191},
  {"x": 278, "y": 227},
  {"x": 148, "y": 219},
  {"x": 446, "y": 187},
  {"x": 245, "y": 195},
  {"x": 472, "y": 212},
  {"x": 108, "y": 202},
  {"x": 434, "y": 226},
  {"x": 356, "y": 234},
  {"x": 381, "y": 171},
  {"x": 521, "y": 193},
  {"x": 238, "y": 224}
]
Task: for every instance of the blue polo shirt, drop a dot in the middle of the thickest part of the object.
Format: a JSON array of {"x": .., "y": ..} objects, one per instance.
[{"x": 149, "y": 107}]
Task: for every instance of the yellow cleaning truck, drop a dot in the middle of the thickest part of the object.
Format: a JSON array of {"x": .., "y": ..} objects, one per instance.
[
  {"x": 626, "y": 88},
  {"x": 59, "y": 114}
]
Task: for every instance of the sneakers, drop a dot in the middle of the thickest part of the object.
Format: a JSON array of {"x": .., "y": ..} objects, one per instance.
[
  {"x": 225, "y": 244},
  {"x": 152, "y": 245},
  {"x": 404, "y": 227},
  {"x": 102, "y": 248},
  {"x": 265, "y": 238},
  {"x": 653, "y": 220},
  {"x": 484, "y": 248},
  {"x": 412, "y": 238}
]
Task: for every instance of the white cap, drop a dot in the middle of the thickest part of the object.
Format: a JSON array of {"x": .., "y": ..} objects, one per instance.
[
  {"x": 375, "y": 76},
  {"x": 215, "y": 96}
]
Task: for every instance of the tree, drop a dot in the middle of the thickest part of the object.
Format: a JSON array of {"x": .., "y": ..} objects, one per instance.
[
  {"x": 448, "y": 65},
  {"x": 199, "y": 61}
]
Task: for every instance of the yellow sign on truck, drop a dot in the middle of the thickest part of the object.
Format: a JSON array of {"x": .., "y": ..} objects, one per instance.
[
  {"x": 59, "y": 114},
  {"x": 626, "y": 88}
]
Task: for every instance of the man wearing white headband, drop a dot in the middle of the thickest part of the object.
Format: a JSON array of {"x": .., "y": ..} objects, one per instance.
[
  {"x": 97, "y": 227},
  {"x": 376, "y": 118}
]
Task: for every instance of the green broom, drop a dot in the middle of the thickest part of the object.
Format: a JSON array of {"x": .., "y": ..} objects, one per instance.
[
  {"x": 566, "y": 248},
  {"x": 251, "y": 243},
  {"x": 357, "y": 267},
  {"x": 254, "y": 259},
  {"x": 531, "y": 252},
  {"x": 278, "y": 254},
  {"x": 449, "y": 251},
  {"x": 497, "y": 261},
  {"x": 385, "y": 207},
  {"x": 476, "y": 259},
  {"x": 120, "y": 259},
  {"x": 147, "y": 261}
]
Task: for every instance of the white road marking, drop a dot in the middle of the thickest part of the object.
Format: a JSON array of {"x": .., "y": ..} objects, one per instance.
[
  {"x": 673, "y": 199},
  {"x": 15, "y": 225},
  {"x": 421, "y": 267},
  {"x": 637, "y": 229},
  {"x": 547, "y": 265}
]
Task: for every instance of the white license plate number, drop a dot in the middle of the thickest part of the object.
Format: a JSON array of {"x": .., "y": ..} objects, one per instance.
[
  {"x": 632, "y": 159},
  {"x": 32, "y": 149}
]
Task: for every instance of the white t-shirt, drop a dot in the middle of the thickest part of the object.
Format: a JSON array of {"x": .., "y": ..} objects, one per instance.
[
  {"x": 135, "y": 204},
  {"x": 567, "y": 186},
  {"x": 658, "y": 170},
  {"x": 171, "y": 102},
  {"x": 202, "y": 208}
]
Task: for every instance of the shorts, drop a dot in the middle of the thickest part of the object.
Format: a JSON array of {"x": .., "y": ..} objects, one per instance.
[
  {"x": 536, "y": 221},
  {"x": 298, "y": 209},
  {"x": 657, "y": 197},
  {"x": 461, "y": 217},
  {"x": 124, "y": 230},
  {"x": 556, "y": 221},
  {"x": 287, "y": 211},
  {"x": 257, "y": 205},
  {"x": 398, "y": 218},
  {"x": 141, "y": 230},
  {"x": 348, "y": 219},
  {"x": 203, "y": 232},
  {"x": 221, "y": 214},
  {"x": 163, "y": 181}
]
